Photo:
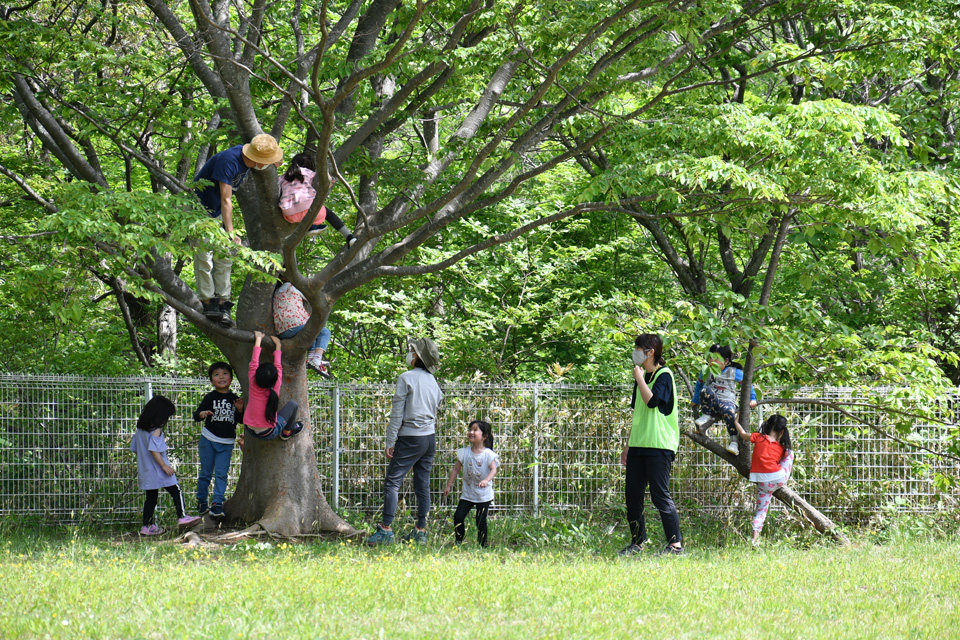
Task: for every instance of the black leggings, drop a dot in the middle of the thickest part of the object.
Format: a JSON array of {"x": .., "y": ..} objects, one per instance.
[
  {"x": 463, "y": 508},
  {"x": 150, "y": 503},
  {"x": 333, "y": 220}
]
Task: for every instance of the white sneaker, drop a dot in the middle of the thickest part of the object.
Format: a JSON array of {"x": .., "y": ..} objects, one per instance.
[
  {"x": 320, "y": 366},
  {"x": 703, "y": 423},
  {"x": 733, "y": 447}
]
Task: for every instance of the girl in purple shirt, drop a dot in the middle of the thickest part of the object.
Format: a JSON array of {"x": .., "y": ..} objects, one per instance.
[{"x": 153, "y": 468}]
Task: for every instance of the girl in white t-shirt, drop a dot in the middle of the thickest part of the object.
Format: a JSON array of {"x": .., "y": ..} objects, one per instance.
[{"x": 479, "y": 464}]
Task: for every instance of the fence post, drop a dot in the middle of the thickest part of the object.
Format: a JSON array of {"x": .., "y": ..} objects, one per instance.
[
  {"x": 335, "y": 393},
  {"x": 148, "y": 390},
  {"x": 536, "y": 448}
]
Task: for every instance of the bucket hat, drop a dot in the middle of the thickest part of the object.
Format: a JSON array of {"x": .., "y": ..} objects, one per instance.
[{"x": 427, "y": 352}]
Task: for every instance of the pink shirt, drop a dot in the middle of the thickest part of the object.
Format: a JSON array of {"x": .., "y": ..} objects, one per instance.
[
  {"x": 288, "y": 309},
  {"x": 296, "y": 197},
  {"x": 253, "y": 415}
]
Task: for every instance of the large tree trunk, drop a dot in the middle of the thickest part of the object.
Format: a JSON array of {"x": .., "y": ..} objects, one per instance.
[{"x": 279, "y": 487}]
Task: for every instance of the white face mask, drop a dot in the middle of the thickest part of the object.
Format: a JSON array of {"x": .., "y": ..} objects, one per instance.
[
  {"x": 639, "y": 357},
  {"x": 257, "y": 167},
  {"x": 410, "y": 357}
]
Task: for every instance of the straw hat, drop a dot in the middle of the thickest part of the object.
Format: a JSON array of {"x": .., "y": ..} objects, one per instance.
[{"x": 263, "y": 149}]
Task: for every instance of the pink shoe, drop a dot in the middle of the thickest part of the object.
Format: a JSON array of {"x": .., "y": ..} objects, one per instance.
[
  {"x": 188, "y": 521},
  {"x": 151, "y": 530}
]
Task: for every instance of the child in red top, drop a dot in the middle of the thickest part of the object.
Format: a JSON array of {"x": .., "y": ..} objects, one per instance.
[
  {"x": 262, "y": 418},
  {"x": 771, "y": 463}
]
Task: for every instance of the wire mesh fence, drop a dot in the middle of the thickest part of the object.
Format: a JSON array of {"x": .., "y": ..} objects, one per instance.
[{"x": 64, "y": 449}]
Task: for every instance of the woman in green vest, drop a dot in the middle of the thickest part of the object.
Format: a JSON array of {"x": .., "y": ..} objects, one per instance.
[{"x": 652, "y": 447}]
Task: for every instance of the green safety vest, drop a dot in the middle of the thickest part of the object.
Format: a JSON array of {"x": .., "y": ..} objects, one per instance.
[{"x": 652, "y": 429}]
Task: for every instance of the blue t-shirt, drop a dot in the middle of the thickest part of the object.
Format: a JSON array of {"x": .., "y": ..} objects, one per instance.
[{"x": 227, "y": 167}]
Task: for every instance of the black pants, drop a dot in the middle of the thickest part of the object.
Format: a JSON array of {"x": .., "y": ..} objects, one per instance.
[
  {"x": 650, "y": 467},
  {"x": 409, "y": 452},
  {"x": 463, "y": 508},
  {"x": 333, "y": 220},
  {"x": 150, "y": 503}
]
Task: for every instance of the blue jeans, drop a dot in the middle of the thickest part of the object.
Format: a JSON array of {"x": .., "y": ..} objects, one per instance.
[
  {"x": 320, "y": 342},
  {"x": 215, "y": 463},
  {"x": 410, "y": 452}
]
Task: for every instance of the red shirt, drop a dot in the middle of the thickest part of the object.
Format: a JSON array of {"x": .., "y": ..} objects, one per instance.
[{"x": 767, "y": 454}]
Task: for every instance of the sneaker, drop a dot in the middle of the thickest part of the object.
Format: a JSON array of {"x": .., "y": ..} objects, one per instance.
[
  {"x": 216, "y": 510},
  {"x": 294, "y": 430},
  {"x": 202, "y": 508},
  {"x": 351, "y": 240},
  {"x": 630, "y": 550},
  {"x": 188, "y": 521},
  {"x": 417, "y": 536},
  {"x": 320, "y": 366},
  {"x": 733, "y": 447},
  {"x": 380, "y": 536},
  {"x": 703, "y": 423},
  {"x": 671, "y": 550},
  {"x": 151, "y": 530}
]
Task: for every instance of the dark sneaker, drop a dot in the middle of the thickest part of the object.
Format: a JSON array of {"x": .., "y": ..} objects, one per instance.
[
  {"x": 295, "y": 428},
  {"x": 380, "y": 536},
  {"x": 351, "y": 240},
  {"x": 202, "y": 508},
  {"x": 671, "y": 550},
  {"x": 630, "y": 550},
  {"x": 417, "y": 536},
  {"x": 211, "y": 309},
  {"x": 216, "y": 510}
]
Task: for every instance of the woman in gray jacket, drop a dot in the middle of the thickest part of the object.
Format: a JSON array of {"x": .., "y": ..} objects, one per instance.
[{"x": 411, "y": 440}]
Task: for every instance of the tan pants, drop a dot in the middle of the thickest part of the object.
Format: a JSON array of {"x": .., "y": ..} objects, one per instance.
[{"x": 212, "y": 275}]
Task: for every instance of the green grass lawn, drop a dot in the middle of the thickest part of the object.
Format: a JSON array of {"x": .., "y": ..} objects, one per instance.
[{"x": 101, "y": 585}]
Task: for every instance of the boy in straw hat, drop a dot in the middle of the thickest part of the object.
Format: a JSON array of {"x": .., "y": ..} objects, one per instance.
[
  {"x": 411, "y": 439},
  {"x": 226, "y": 171}
]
